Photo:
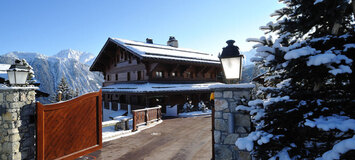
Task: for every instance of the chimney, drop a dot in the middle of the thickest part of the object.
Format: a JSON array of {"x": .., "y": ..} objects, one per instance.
[
  {"x": 172, "y": 42},
  {"x": 149, "y": 40}
]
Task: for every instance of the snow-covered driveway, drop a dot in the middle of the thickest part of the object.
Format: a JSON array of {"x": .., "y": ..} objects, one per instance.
[{"x": 177, "y": 138}]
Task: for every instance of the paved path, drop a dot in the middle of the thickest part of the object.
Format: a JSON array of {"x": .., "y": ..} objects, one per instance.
[{"x": 176, "y": 139}]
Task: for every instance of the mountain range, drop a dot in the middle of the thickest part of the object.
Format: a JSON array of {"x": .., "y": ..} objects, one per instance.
[{"x": 71, "y": 64}]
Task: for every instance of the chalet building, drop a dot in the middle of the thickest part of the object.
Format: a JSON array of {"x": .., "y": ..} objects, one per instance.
[{"x": 145, "y": 74}]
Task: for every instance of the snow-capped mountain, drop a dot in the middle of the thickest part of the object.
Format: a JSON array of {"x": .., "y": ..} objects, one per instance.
[
  {"x": 83, "y": 57},
  {"x": 247, "y": 56},
  {"x": 50, "y": 69}
]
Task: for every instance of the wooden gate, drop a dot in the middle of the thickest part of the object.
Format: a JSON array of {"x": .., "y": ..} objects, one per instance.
[{"x": 67, "y": 130}]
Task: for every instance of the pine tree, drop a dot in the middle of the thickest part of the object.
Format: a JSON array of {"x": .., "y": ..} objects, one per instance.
[
  {"x": 31, "y": 75},
  {"x": 64, "y": 91},
  {"x": 306, "y": 104}
]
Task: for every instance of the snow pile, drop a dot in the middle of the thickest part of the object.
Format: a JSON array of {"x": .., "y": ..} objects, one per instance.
[
  {"x": 348, "y": 46},
  {"x": 296, "y": 53},
  {"x": 195, "y": 113},
  {"x": 326, "y": 58},
  {"x": 320, "y": 59},
  {"x": 255, "y": 109},
  {"x": 342, "y": 123},
  {"x": 111, "y": 114},
  {"x": 338, "y": 149},
  {"x": 275, "y": 100},
  {"x": 282, "y": 155},
  {"x": 119, "y": 115},
  {"x": 317, "y": 1},
  {"x": 109, "y": 133},
  {"x": 248, "y": 142},
  {"x": 341, "y": 69}
]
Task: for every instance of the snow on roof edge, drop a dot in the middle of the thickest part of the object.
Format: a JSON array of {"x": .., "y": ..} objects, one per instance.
[
  {"x": 130, "y": 45},
  {"x": 232, "y": 86},
  {"x": 158, "y": 87}
]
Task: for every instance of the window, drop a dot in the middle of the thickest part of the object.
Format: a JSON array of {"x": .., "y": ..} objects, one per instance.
[
  {"x": 128, "y": 76},
  {"x": 139, "y": 75},
  {"x": 159, "y": 74},
  {"x": 108, "y": 77},
  {"x": 116, "y": 77}
]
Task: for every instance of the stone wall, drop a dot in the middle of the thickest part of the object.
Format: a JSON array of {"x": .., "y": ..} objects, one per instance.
[
  {"x": 17, "y": 123},
  {"x": 230, "y": 124}
]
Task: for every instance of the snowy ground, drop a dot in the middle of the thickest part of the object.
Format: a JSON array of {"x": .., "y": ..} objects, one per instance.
[
  {"x": 195, "y": 113},
  {"x": 109, "y": 133}
]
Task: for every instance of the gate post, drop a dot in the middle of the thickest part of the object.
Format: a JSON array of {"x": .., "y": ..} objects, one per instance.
[
  {"x": 229, "y": 124},
  {"x": 17, "y": 123}
]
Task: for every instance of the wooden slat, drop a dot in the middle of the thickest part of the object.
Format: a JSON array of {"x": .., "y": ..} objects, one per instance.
[
  {"x": 69, "y": 129},
  {"x": 143, "y": 116}
]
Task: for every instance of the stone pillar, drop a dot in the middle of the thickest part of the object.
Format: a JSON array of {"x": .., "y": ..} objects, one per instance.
[
  {"x": 230, "y": 124},
  {"x": 17, "y": 123}
]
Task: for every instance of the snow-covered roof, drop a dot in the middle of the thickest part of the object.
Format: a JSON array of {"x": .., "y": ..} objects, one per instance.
[
  {"x": 158, "y": 51},
  {"x": 157, "y": 87},
  {"x": 3, "y": 70},
  {"x": 232, "y": 86}
]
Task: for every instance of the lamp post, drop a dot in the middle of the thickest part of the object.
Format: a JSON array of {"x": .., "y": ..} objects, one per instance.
[
  {"x": 232, "y": 61},
  {"x": 17, "y": 73}
]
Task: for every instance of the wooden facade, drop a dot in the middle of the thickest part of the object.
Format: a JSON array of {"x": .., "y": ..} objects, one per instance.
[{"x": 121, "y": 63}]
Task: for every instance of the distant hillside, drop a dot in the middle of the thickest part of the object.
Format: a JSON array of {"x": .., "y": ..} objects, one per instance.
[
  {"x": 248, "y": 66},
  {"x": 67, "y": 63}
]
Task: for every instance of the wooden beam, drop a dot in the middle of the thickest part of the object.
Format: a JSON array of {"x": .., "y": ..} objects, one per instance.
[
  {"x": 202, "y": 70},
  {"x": 153, "y": 66},
  {"x": 175, "y": 68}
]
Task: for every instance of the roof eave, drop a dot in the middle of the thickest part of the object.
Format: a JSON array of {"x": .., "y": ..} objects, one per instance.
[{"x": 98, "y": 56}]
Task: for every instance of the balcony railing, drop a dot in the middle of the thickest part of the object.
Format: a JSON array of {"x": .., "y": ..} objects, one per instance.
[{"x": 144, "y": 116}]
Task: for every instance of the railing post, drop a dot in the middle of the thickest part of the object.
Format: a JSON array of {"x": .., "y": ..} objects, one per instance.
[
  {"x": 134, "y": 122},
  {"x": 158, "y": 114},
  {"x": 146, "y": 117}
]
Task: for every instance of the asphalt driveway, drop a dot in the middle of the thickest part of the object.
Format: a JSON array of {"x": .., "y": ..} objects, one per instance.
[{"x": 177, "y": 139}]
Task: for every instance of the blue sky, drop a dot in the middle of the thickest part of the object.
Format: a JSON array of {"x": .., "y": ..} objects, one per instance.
[{"x": 49, "y": 26}]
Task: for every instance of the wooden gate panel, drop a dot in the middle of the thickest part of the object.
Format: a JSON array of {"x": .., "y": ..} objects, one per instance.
[{"x": 69, "y": 129}]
